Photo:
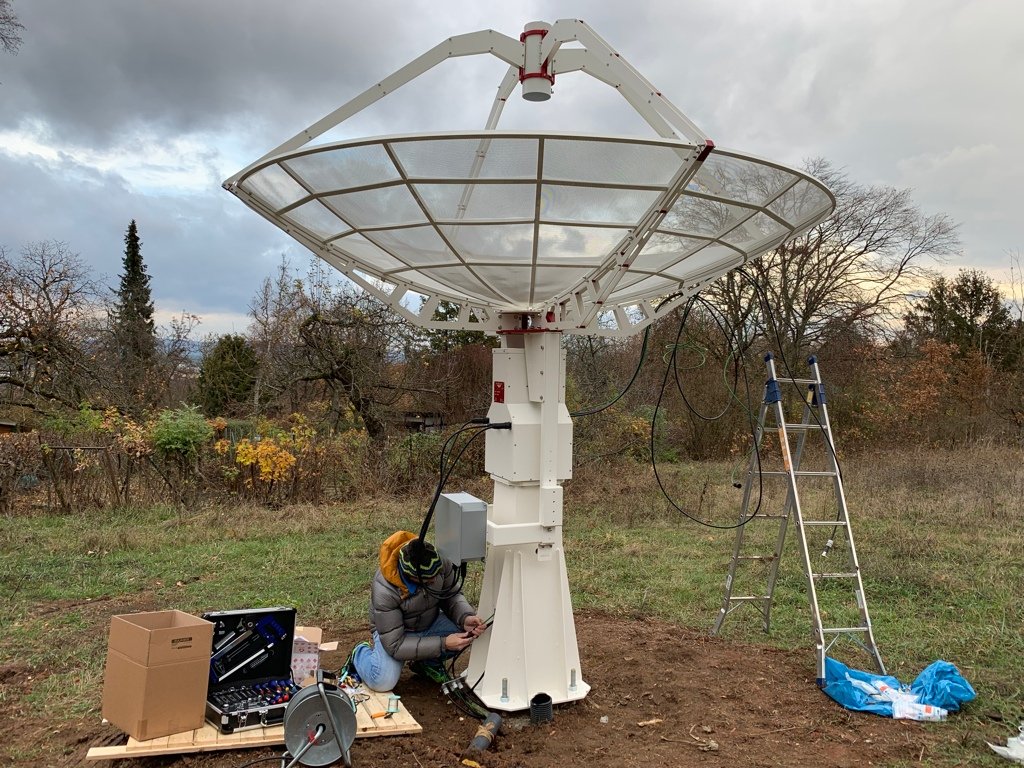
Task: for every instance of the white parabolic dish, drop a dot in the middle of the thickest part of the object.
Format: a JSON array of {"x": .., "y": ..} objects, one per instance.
[
  {"x": 588, "y": 231},
  {"x": 543, "y": 217}
]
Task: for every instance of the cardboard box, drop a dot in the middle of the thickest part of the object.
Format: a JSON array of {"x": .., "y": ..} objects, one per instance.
[
  {"x": 306, "y": 652},
  {"x": 158, "y": 667}
]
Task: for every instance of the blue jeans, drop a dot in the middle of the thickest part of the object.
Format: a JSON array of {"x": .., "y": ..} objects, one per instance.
[{"x": 379, "y": 671}]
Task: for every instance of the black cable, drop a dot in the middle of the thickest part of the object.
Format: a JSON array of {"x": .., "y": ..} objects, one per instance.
[
  {"x": 636, "y": 371},
  {"x": 727, "y": 334},
  {"x": 445, "y": 594},
  {"x": 455, "y": 692},
  {"x": 624, "y": 390},
  {"x": 441, "y": 474},
  {"x": 444, "y": 475},
  {"x": 654, "y": 419},
  {"x": 261, "y": 760}
]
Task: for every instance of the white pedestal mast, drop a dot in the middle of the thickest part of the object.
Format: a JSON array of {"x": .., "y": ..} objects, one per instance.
[{"x": 531, "y": 645}]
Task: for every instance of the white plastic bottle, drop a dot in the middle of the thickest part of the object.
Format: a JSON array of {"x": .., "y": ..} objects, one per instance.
[{"x": 902, "y": 709}]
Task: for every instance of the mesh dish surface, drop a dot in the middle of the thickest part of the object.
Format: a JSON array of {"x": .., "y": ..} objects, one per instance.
[{"x": 519, "y": 222}]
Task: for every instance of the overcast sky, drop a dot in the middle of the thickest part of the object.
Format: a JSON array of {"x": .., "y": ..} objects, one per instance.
[{"x": 122, "y": 109}]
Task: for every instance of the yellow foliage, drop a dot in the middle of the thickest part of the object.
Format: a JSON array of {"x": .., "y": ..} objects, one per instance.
[{"x": 273, "y": 460}]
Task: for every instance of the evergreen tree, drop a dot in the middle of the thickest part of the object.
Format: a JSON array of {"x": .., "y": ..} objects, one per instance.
[
  {"x": 968, "y": 311},
  {"x": 227, "y": 375},
  {"x": 132, "y": 316}
]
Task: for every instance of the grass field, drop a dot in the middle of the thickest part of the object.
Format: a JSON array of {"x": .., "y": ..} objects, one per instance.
[{"x": 940, "y": 537}]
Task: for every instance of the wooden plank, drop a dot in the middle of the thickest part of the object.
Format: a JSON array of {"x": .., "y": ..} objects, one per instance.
[
  {"x": 209, "y": 738},
  {"x": 144, "y": 746},
  {"x": 184, "y": 739},
  {"x": 225, "y": 740},
  {"x": 400, "y": 723}
]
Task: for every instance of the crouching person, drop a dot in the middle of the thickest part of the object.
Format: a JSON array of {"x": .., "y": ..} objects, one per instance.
[{"x": 418, "y": 613}]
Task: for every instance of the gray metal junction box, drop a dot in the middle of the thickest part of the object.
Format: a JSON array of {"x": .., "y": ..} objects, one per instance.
[{"x": 460, "y": 527}]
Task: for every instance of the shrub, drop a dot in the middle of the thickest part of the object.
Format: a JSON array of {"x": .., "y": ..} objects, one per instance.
[
  {"x": 19, "y": 460},
  {"x": 180, "y": 433}
]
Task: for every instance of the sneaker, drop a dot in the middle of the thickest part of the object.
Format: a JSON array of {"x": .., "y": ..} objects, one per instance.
[
  {"x": 432, "y": 670},
  {"x": 348, "y": 669}
]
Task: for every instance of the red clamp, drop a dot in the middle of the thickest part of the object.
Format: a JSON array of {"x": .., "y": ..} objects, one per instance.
[
  {"x": 523, "y": 74},
  {"x": 709, "y": 147}
]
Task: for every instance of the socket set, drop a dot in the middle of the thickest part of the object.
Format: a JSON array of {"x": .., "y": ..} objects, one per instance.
[{"x": 254, "y": 696}]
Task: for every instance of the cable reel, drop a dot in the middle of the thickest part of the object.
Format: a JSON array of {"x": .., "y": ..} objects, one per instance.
[{"x": 320, "y": 724}]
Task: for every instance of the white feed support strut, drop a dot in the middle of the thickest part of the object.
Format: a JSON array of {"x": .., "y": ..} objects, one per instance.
[{"x": 530, "y": 235}]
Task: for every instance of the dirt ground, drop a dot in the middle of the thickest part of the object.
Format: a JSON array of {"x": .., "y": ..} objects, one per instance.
[{"x": 661, "y": 695}]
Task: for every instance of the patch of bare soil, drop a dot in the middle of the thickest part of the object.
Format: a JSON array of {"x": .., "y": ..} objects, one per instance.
[{"x": 661, "y": 695}]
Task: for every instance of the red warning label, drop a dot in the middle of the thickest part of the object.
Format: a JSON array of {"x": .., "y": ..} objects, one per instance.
[{"x": 499, "y": 391}]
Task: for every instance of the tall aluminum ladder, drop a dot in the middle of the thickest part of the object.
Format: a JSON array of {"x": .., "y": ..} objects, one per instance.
[{"x": 815, "y": 420}]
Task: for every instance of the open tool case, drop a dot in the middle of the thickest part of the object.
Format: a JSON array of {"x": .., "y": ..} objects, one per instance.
[{"x": 250, "y": 667}]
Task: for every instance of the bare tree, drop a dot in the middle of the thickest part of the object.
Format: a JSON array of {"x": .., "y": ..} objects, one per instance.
[
  {"x": 316, "y": 338},
  {"x": 10, "y": 28},
  {"x": 276, "y": 313},
  {"x": 47, "y": 305},
  {"x": 855, "y": 268}
]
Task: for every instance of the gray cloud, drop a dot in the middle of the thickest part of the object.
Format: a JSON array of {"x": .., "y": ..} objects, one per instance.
[
  {"x": 203, "y": 253},
  {"x": 186, "y": 92}
]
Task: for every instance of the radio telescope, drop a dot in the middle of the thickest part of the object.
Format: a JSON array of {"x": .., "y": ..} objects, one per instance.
[{"x": 530, "y": 235}]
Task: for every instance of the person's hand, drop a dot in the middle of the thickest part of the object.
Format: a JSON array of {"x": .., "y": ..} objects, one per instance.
[
  {"x": 474, "y": 626},
  {"x": 457, "y": 641}
]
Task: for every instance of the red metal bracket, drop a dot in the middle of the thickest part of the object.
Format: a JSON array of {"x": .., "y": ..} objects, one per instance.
[{"x": 523, "y": 74}]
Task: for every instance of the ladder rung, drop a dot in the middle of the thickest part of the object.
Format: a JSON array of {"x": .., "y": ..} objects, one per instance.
[
  {"x": 826, "y": 522},
  {"x": 798, "y": 473},
  {"x": 841, "y": 630},
  {"x": 783, "y": 380},
  {"x": 766, "y": 516},
  {"x": 755, "y": 557},
  {"x": 748, "y": 598},
  {"x": 835, "y": 575},
  {"x": 802, "y": 427}
]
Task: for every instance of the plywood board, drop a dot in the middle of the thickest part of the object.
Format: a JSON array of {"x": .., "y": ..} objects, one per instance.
[{"x": 209, "y": 738}]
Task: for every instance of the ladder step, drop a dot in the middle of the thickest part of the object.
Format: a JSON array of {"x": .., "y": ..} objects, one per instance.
[
  {"x": 835, "y": 575},
  {"x": 798, "y": 473},
  {"x": 826, "y": 522},
  {"x": 765, "y": 516},
  {"x": 802, "y": 427},
  {"x": 748, "y": 598},
  {"x": 783, "y": 380},
  {"x": 755, "y": 557},
  {"x": 841, "y": 630}
]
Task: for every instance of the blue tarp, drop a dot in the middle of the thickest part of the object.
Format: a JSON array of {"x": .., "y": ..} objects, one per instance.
[{"x": 939, "y": 685}]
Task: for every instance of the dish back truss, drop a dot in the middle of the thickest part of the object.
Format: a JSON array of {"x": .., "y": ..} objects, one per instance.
[{"x": 589, "y": 232}]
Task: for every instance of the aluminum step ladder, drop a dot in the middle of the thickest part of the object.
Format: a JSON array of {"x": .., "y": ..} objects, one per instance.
[{"x": 829, "y": 576}]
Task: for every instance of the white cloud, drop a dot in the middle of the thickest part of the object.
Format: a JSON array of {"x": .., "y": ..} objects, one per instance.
[
  {"x": 210, "y": 323},
  {"x": 148, "y": 162}
]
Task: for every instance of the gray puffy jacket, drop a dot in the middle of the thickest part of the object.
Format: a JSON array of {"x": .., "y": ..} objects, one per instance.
[{"x": 393, "y": 615}]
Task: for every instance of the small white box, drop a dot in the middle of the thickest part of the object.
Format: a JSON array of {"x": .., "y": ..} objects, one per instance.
[{"x": 306, "y": 648}]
